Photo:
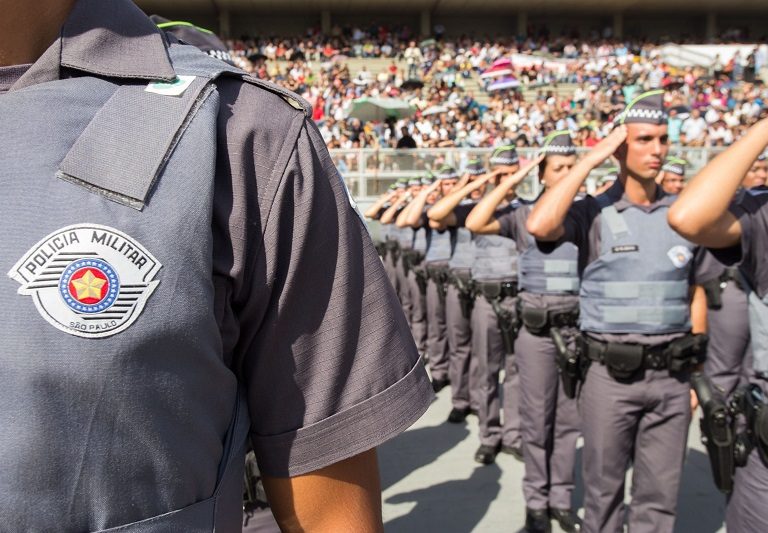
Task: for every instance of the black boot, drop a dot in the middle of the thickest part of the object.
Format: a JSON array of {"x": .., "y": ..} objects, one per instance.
[
  {"x": 569, "y": 521},
  {"x": 440, "y": 384},
  {"x": 486, "y": 454},
  {"x": 457, "y": 416},
  {"x": 537, "y": 521},
  {"x": 514, "y": 451}
]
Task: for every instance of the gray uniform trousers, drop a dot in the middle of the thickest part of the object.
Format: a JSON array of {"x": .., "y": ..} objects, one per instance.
[
  {"x": 391, "y": 269},
  {"x": 418, "y": 313},
  {"x": 549, "y": 424},
  {"x": 488, "y": 347},
  {"x": 462, "y": 367},
  {"x": 403, "y": 289},
  {"x": 437, "y": 335},
  {"x": 747, "y": 510},
  {"x": 643, "y": 422},
  {"x": 729, "y": 354}
]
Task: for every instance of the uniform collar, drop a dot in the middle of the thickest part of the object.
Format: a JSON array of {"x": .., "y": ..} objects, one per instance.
[
  {"x": 619, "y": 199},
  {"x": 110, "y": 38}
]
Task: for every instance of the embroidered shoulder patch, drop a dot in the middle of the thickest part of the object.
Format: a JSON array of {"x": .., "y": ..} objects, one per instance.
[
  {"x": 680, "y": 256},
  {"x": 88, "y": 280}
]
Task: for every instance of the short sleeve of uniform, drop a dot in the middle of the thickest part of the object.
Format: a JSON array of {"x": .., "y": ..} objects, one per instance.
[
  {"x": 508, "y": 225},
  {"x": 325, "y": 353},
  {"x": 462, "y": 212},
  {"x": 750, "y": 209},
  {"x": 578, "y": 221}
]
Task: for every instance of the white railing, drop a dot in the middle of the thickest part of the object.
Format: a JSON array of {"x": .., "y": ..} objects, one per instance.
[{"x": 369, "y": 172}]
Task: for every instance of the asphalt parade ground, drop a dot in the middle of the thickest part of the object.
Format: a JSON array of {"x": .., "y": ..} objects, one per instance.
[{"x": 431, "y": 483}]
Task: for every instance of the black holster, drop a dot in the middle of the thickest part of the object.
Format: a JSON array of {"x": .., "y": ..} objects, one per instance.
[
  {"x": 686, "y": 352},
  {"x": 717, "y": 431},
  {"x": 568, "y": 363},
  {"x": 466, "y": 290},
  {"x": 509, "y": 325},
  {"x": 750, "y": 401},
  {"x": 421, "y": 279},
  {"x": 253, "y": 491},
  {"x": 714, "y": 294},
  {"x": 439, "y": 274}
]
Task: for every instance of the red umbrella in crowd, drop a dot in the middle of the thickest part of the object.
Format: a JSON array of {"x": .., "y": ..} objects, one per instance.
[{"x": 497, "y": 71}]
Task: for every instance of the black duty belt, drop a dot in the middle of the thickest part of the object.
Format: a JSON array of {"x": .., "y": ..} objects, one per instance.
[
  {"x": 623, "y": 359},
  {"x": 460, "y": 278},
  {"x": 437, "y": 271},
  {"x": 496, "y": 290},
  {"x": 538, "y": 321}
]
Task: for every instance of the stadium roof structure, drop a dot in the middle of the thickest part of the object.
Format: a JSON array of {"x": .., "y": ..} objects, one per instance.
[{"x": 455, "y": 6}]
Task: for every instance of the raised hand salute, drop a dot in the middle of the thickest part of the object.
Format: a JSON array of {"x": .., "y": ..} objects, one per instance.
[{"x": 546, "y": 220}]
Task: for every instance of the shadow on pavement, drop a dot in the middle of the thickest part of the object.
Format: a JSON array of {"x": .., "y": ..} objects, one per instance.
[
  {"x": 701, "y": 507},
  {"x": 416, "y": 448},
  {"x": 447, "y": 507}
]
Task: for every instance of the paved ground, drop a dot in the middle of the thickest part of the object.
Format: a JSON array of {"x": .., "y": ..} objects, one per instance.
[{"x": 431, "y": 484}]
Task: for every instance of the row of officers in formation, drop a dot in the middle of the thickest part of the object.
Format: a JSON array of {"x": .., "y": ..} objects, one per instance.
[{"x": 612, "y": 316}]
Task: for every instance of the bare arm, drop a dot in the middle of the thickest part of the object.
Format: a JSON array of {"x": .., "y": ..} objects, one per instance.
[
  {"x": 481, "y": 219},
  {"x": 373, "y": 211},
  {"x": 345, "y": 496},
  {"x": 416, "y": 208},
  {"x": 401, "y": 219},
  {"x": 389, "y": 214},
  {"x": 698, "y": 310},
  {"x": 443, "y": 209},
  {"x": 701, "y": 213},
  {"x": 548, "y": 215}
]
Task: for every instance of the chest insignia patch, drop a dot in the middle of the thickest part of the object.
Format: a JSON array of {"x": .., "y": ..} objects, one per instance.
[
  {"x": 88, "y": 280},
  {"x": 680, "y": 256}
]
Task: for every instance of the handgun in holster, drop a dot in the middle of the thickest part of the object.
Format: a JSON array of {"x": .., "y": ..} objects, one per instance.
[
  {"x": 421, "y": 279},
  {"x": 253, "y": 493},
  {"x": 509, "y": 325},
  {"x": 686, "y": 352},
  {"x": 717, "y": 431},
  {"x": 568, "y": 363},
  {"x": 466, "y": 295},
  {"x": 751, "y": 402},
  {"x": 714, "y": 294}
]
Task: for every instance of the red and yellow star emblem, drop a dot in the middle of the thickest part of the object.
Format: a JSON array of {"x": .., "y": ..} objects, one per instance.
[{"x": 88, "y": 286}]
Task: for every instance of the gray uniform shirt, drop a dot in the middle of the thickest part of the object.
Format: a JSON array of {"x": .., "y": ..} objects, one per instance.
[
  {"x": 513, "y": 226},
  {"x": 750, "y": 209},
  {"x": 302, "y": 301}
]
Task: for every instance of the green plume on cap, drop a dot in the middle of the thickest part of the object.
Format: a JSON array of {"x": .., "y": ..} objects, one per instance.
[
  {"x": 635, "y": 100},
  {"x": 551, "y": 137}
]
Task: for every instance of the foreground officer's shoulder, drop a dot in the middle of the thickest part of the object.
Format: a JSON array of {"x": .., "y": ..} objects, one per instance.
[{"x": 249, "y": 91}]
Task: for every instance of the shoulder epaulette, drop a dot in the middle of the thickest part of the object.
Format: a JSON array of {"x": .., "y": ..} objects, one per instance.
[{"x": 293, "y": 99}]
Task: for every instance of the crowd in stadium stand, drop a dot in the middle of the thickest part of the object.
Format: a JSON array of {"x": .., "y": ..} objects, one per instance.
[{"x": 709, "y": 106}]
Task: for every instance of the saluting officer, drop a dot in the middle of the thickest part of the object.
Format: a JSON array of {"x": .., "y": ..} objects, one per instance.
[
  {"x": 729, "y": 353},
  {"x": 186, "y": 273},
  {"x": 413, "y": 267},
  {"x": 548, "y": 299},
  {"x": 494, "y": 275},
  {"x": 737, "y": 233},
  {"x": 387, "y": 243},
  {"x": 440, "y": 243},
  {"x": 635, "y": 314},
  {"x": 452, "y": 211},
  {"x": 672, "y": 175},
  {"x": 404, "y": 238}
]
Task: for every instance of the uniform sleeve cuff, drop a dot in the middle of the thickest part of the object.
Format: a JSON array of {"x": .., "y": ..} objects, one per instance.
[{"x": 348, "y": 433}]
